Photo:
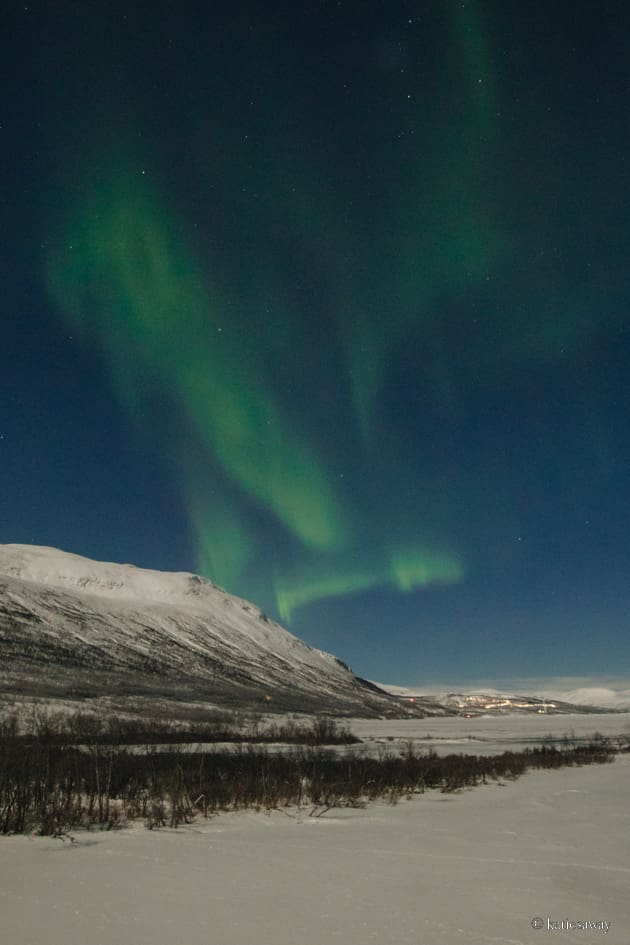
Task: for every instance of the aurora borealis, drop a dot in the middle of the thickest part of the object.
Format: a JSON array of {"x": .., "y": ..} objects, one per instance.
[{"x": 333, "y": 309}]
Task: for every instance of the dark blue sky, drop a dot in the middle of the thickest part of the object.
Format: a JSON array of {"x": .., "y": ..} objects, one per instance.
[{"x": 333, "y": 308}]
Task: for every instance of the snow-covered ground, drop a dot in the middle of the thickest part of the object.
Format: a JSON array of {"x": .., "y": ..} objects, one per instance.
[{"x": 473, "y": 868}]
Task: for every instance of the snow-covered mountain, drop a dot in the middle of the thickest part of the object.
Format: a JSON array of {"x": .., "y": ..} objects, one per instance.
[
  {"x": 502, "y": 703},
  {"x": 76, "y": 629}
]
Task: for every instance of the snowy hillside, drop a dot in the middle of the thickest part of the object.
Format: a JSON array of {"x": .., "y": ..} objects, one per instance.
[
  {"x": 71, "y": 628},
  {"x": 587, "y": 700}
]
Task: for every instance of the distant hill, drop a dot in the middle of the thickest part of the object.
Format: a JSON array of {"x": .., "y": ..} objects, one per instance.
[{"x": 479, "y": 703}]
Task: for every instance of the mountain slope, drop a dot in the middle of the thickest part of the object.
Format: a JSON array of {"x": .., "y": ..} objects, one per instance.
[{"x": 72, "y": 628}]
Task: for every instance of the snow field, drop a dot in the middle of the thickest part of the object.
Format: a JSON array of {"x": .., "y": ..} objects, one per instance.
[{"x": 472, "y": 868}]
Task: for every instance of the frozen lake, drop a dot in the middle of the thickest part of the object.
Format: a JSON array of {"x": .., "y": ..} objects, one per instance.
[{"x": 485, "y": 735}]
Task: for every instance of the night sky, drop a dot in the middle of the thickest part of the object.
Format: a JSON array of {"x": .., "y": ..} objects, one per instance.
[{"x": 328, "y": 301}]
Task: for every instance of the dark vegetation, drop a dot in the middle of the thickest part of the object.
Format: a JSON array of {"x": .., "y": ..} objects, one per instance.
[
  {"x": 51, "y": 785},
  {"x": 217, "y": 726}
]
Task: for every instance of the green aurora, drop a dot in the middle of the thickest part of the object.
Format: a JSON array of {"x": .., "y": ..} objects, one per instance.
[
  {"x": 129, "y": 283},
  {"x": 261, "y": 348}
]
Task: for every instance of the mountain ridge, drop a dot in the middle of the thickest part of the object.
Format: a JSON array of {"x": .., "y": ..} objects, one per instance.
[
  {"x": 80, "y": 629},
  {"x": 121, "y": 638}
]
